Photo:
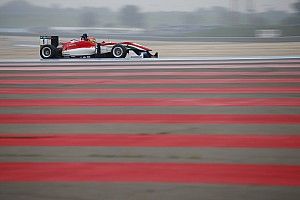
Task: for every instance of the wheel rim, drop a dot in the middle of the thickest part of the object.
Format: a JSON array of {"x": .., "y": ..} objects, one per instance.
[
  {"x": 118, "y": 52},
  {"x": 46, "y": 52}
]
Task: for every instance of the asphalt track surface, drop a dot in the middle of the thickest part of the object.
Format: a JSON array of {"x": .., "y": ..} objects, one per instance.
[{"x": 161, "y": 129}]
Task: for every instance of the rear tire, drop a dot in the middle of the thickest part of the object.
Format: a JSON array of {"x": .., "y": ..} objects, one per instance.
[
  {"x": 48, "y": 51},
  {"x": 119, "y": 51}
]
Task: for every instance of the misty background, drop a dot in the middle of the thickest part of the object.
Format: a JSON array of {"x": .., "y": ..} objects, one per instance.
[{"x": 193, "y": 18}]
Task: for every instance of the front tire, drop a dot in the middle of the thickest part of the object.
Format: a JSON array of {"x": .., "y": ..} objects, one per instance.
[
  {"x": 119, "y": 51},
  {"x": 48, "y": 51}
]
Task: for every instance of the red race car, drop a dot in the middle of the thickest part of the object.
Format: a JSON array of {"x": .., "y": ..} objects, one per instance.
[{"x": 87, "y": 47}]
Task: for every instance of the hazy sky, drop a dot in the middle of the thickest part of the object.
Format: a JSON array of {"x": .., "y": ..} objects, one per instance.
[{"x": 166, "y": 5}]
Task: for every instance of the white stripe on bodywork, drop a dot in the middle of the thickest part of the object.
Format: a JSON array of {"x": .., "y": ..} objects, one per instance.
[
  {"x": 80, "y": 52},
  {"x": 106, "y": 49}
]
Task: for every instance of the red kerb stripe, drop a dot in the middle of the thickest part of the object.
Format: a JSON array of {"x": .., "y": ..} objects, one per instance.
[
  {"x": 148, "y": 119},
  {"x": 238, "y": 174}
]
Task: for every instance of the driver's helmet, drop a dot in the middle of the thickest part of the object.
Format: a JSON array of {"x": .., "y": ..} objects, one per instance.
[
  {"x": 84, "y": 37},
  {"x": 92, "y": 39}
]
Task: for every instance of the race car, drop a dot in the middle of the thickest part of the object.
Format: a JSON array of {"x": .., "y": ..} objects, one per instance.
[{"x": 87, "y": 47}]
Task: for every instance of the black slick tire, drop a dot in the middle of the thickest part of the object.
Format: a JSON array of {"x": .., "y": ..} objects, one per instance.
[
  {"x": 48, "y": 51},
  {"x": 119, "y": 51}
]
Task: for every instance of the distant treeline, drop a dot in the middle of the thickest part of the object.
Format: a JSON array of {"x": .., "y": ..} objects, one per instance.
[{"x": 217, "y": 21}]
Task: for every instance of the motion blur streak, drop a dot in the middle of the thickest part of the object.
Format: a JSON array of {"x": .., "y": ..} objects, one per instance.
[
  {"x": 153, "y": 102},
  {"x": 147, "y": 119},
  {"x": 210, "y": 90},
  {"x": 105, "y": 74},
  {"x": 145, "y": 81},
  {"x": 127, "y": 140}
]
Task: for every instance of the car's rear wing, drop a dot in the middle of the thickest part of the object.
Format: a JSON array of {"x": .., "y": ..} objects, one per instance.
[{"x": 49, "y": 40}]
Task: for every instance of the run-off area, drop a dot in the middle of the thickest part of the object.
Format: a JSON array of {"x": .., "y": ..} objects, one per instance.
[{"x": 158, "y": 132}]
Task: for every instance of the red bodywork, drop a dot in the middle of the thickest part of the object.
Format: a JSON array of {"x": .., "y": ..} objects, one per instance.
[
  {"x": 75, "y": 44},
  {"x": 89, "y": 47}
]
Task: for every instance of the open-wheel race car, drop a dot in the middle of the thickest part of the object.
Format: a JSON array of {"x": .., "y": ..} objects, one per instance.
[{"x": 88, "y": 47}]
